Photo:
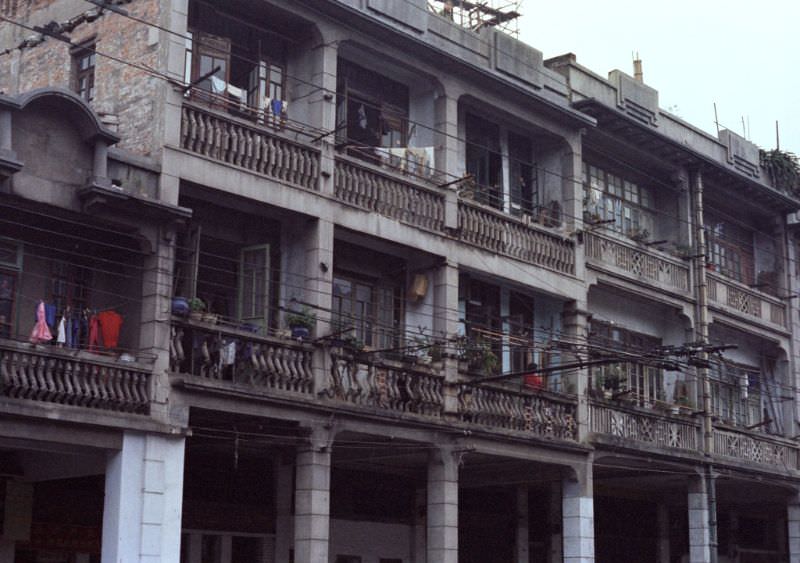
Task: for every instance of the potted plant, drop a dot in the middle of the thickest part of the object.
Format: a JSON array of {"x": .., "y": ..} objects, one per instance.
[
  {"x": 301, "y": 323},
  {"x": 638, "y": 234},
  {"x": 196, "y": 308}
]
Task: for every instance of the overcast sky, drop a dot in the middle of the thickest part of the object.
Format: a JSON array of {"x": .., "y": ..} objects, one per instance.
[{"x": 745, "y": 56}]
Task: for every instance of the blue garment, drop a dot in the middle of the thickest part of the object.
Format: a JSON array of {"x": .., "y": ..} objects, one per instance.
[
  {"x": 277, "y": 107},
  {"x": 76, "y": 332},
  {"x": 68, "y": 332},
  {"x": 50, "y": 314}
]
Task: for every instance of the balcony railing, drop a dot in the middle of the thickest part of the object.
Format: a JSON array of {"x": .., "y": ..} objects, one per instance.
[
  {"x": 737, "y": 298},
  {"x": 232, "y": 141},
  {"x": 656, "y": 429},
  {"x": 51, "y": 375},
  {"x": 226, "y": 353},
  {"x": 364, "y": 186},
  {"x": 637, "y": 263},
  {"x": 385, "y": 385},
  {"x": 497, "y": 232},
  {"x": 539, "y": 414},
  {"x": 756, "y": 449}
]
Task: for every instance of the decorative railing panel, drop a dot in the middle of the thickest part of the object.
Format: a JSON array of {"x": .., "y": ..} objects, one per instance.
[
  {"x": 746, "y": 447},
  {"x": 385, "y": 386},
  {"x": 502, "y": 234},
  {"x": 655, "y": 429},
  {"x": 255, "y": 148},
  {"x": 359, "y": 185},
  {"x": 227, "y": 354},
  {"x": 536, "y": 414},
  {"x": 53, "y": 376},
  {"x": 740, "y": 299},
  {"x": 640, "y": 263}
]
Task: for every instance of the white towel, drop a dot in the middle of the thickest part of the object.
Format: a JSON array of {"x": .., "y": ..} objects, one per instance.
[{"x": 61, "y": 338}]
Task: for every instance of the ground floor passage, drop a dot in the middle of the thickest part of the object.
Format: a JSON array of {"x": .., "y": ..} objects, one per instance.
[{"x": 251, "y": 490}]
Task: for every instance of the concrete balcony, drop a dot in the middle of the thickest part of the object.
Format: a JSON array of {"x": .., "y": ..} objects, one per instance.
[
  {"x": 629, "y": 427},
  {"x": 56, "y": 376},
  {"x": 637, "y": 263},
  {"x": 738, "y": 300},
  {"x": 248, "y": 145}
]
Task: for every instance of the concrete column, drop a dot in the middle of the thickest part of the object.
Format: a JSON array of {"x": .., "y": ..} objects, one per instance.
[
  {"x": 572, "y": 187},
  {"x": 442, "y": 546},
  {"x": 446, "y": 153},
  {"x": 522, "y": 540},
  {"x": 154, "y": 332},
  {"x": 699, "y": 532},
  {"x": 284, "y": 524},
  {"x": 555, "y": 549},
  {"x": 577, "y": 510},
  {"x": 662, "y": 525},
  {"x": 445, "y": 325},
  {"x": 143, "y": 496},
  {"x": 100, "y": 162},
  {"x": 793, "y": 527},
  {"x": 574, "y": 324},
  {"x": 312, "y": 499}
]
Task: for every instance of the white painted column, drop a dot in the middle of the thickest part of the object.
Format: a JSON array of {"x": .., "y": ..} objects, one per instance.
[
  {"x": 793, "y": 528},
  {"x": 284, "y": 524},
  {"x": 312, "y": 500},
  {"x": 143, "y": 496},
  {"x": 699, "y": 532},
  {"x": 522, "y": 539},
  {"x": 662, "y": 525},
  {"x": 442, "y": 546},
  {"x": 577, "y": 513}
]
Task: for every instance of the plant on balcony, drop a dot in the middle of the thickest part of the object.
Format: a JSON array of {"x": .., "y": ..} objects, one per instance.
[
  {"x": 638, "y": 234},
  {"x": 301, "y": 322},
  {"x": 783, "y": 169},
  {"x": 478, "y": 355},
  {"x": 196, "y": 307}
]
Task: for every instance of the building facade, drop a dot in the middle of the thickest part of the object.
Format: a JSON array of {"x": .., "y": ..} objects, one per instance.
[{"x": 361, "y": 281}]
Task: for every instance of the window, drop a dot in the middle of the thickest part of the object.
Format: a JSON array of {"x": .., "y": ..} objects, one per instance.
[
  {"x": 243, "y": 67},
  {"x": 370, "y": 310},
  {"x": 372, "y": 112},
  {"x": 644, "y": 383},
  {"x": 524, "y": 196},
  {"x": 485, "y": 160},
  {"x": 70, "y": 286},
  {"x": 10, "y": 264},
  {"x": 736, "y": 394},
  {"x": 609, "y": 197},
  {"x": 730, "y": 248},
  {"x": 254, "y": 285},
  {"x": 83, "y": 64}
]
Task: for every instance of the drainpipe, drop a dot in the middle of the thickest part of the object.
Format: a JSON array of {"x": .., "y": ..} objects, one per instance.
[{"x": 701, "y": 332}]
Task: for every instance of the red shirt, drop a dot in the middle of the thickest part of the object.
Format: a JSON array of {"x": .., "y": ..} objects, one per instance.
[{"x": 110, "y": 323}]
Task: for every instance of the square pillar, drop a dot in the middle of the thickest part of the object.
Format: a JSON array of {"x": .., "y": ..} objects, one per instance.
[
  {"x": 522, "y": 539},
  {"x": 577, "y": 513},
  {"x": 793, "y": 527},
  {"x": 143, "y": 500},
  {"x": 574, "y": 324},
  {"x": 442, "y": 540},
  {"x": 312, "y": 499},
  {"x": 699, "y": 530}
]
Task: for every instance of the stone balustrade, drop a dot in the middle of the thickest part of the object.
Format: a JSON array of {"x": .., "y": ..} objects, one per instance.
[
  {"x": 655, "y": 429},
  {"x": 763, "y": 450},
  {"x": 737, "y": 299},
  {"x": 66, "y": 377},
  {"x": 636, "y": 262},
  {"x": 501, "y": 233},
  {"x": 256, "y": 148}
]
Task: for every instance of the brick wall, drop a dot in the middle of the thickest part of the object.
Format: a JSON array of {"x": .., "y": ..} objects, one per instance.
[{"x": 133, "y": 96}]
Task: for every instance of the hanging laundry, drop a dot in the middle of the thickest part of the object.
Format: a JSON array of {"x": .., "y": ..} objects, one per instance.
[
  {"x": 362, "y": 117},
  {"x": 61, "y": 337},
  {"x": 68, "y": 332},
  {"x": 40, "y": 332},
  {"x": 110, "y": 323},
  {"x": 94, "y": 333},
  {"x": 50, "y": 314},
  {"x": 227, "y": 355},
  {"x": 276, "y": 106}
]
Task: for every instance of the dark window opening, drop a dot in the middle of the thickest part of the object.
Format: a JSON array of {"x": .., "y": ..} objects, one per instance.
[
  {"x": 485, "y": 160},
  {"x": 522, "y": 175},
  {"x": 83, "y": 64},
  {"x": 371, "y": 113}
]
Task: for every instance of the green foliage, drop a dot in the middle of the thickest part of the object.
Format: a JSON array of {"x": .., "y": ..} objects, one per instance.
[
  {"x": 783, "y": 169},
  {"x": 197, "y": 305},
  {"x": 303, "y": 318}
]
